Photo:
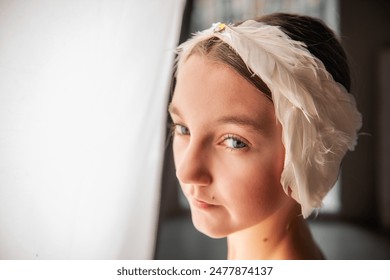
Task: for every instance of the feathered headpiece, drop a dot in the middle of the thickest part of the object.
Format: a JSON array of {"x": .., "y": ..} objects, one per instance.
[{"x": 318, "y": 116}]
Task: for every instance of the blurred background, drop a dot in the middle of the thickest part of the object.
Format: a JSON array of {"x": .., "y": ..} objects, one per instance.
[{"x": 355, "y": 220}]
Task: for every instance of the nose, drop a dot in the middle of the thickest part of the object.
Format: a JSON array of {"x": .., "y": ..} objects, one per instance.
[{"x": 193, "y": 164}]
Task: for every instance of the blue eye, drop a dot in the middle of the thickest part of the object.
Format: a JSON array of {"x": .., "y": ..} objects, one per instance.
[
  {"x": 235, "y": 143},
  {"x": 181, "y": 130}
]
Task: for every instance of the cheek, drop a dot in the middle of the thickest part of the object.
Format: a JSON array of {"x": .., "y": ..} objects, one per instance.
[
  {"x": 177, "y": 148},
  {"x": 187, "y": 189},
  {"x": 254, "y": 185},
  {"x": 266, "y": 184}
]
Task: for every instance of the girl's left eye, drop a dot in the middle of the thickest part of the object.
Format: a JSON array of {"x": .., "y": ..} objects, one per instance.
[
  {"x": 234, "y": 142},
  {"x": 180, "y": 129}
]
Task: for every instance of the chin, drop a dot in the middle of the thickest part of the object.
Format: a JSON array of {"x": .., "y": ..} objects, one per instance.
[
  {"x": 211, "y": 233},
  {"x": 216, "y": 231}
]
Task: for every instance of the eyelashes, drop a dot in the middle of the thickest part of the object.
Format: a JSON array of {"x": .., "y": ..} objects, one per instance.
[
  {"x": 235, "y": 142},
  {"x": 178, "y": 129},
  {"x": 229, "y": 141}
]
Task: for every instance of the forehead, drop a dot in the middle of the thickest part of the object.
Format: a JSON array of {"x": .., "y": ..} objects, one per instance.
[{"x": 204, "y": 85}]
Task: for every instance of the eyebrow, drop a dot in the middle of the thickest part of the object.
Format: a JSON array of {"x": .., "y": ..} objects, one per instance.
[
  {"x": 234, "y": 119},
  {"x": 172, "y": 109},
  {"x": 257, "y": 126}
]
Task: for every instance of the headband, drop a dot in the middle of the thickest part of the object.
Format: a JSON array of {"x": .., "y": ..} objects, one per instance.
[{"x": 318, "y": 116}]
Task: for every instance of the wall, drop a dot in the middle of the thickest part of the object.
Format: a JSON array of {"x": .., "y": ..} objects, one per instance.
[{"x": 365, "y": 29}]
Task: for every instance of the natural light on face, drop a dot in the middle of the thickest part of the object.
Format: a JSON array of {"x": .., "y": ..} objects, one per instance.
[{"x": 227, "y": 148}]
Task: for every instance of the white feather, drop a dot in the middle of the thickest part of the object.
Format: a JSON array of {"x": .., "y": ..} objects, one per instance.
[{"x": 318, "y": 116}]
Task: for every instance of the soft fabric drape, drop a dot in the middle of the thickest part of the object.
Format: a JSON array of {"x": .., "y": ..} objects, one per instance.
[{"x": 83, "y": 92}]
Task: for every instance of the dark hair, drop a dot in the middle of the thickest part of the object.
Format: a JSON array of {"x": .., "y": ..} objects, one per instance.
[{"x": 319, "y": 39}]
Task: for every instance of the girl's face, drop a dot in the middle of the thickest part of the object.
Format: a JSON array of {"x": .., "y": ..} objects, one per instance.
[{"x": 227, "y": 148}]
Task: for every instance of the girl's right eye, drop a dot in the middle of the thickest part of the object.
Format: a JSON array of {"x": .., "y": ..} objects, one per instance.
[{"x": 180, "y": 129}]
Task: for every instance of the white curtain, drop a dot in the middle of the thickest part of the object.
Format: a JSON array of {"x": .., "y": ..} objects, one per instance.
[{"x": 83, "y": 92}]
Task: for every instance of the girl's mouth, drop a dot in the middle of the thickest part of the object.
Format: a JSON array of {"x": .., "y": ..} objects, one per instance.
[{"x": 203, "y": 205}]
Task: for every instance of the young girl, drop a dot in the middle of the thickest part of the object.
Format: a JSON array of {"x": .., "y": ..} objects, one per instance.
[{"x": 262, "y": 119}]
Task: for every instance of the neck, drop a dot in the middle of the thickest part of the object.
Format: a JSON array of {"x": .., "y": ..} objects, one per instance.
[{"x": 281, "y": 236}]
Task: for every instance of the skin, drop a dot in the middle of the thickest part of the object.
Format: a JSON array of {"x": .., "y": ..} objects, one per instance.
[{"x": 229, "y": 158}]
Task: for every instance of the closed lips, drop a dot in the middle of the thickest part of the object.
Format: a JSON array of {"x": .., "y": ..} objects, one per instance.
[{"x": 202, "y": 204}]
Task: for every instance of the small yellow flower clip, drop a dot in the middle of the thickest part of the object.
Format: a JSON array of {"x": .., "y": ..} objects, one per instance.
[{"x": 220, "y": 27}]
